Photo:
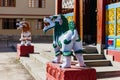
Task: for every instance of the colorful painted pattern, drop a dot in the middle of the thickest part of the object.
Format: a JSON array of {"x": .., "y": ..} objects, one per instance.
[
  {"x": 118, "y": 13},
  {"x": 110, "y": 30},
  {"x": 118, "y": 29},
  {"x": 113, "y": 26},
  {"x": 110, "y": 15},
  {"x": 118, "y": 43}
]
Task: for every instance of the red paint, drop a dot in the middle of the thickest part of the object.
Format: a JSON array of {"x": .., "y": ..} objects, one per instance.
[
  {"x": 110, "y": 42},
  {"x": 101, "y": 21},
  {"x": 24, "y": 50},
  {"x": 77, "y": 14},
  {"x": 58, "y": 6},
  {"x": 54, "y": 72},
  {"x": 115, "y": 54}
]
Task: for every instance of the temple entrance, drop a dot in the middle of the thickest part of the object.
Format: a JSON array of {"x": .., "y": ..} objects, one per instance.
[
  {"x": 86, "y": 17},
  {"x": 89, "y": 21}
]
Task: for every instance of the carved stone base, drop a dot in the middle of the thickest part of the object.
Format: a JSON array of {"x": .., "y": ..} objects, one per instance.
[
  {"x": 24, "y": 50},
  {"x": 54, "y": 72}
]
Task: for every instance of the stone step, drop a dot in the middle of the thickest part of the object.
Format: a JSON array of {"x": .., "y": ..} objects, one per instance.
[
  {"x": 110, "y": 78},
  {"x": 92, "y": 63},
  {"x": 90, "y": 49},
  {"x": 38, "y": 58},
  {"x": 36, "y": 63},
  {"x": 95, "y": 63},
  {"x": 50, "y": 55},
  {"x": 107, "y": 72},
  {"x": 38, "y": 72},
  {"x": 93, "y": 56}
]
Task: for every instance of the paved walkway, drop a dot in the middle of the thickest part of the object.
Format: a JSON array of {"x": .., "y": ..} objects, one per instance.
[{"x": 10, "y": 68}]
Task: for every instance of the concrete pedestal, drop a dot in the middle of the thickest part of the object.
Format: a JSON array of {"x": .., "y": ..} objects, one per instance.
[
  {"x": 24, "y": 50},
  {"x": 54, "y": 72}
]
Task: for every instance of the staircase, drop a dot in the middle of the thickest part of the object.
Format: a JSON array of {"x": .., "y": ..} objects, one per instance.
[{"x": 36, "y": 63}]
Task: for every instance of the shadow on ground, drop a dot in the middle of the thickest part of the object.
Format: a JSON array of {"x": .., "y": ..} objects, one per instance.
[
  {"x": 10, "y": 46},
  {"x": 7, "y": 47}
]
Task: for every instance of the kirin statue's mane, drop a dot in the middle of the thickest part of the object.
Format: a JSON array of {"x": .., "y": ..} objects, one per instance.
[
  {"x": 60, "y": 29},
  {"x": 26, "y": 27}
]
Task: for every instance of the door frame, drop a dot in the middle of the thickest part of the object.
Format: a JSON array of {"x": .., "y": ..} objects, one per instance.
[{"x": 78, "y": 18}]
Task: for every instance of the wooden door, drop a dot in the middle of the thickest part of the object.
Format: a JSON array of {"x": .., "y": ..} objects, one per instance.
[{"x": 89, "y": 21}]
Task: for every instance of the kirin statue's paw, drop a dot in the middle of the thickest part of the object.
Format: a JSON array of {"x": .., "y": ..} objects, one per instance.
[
  {"x": 65, "y": 66},
  {"x": 28, "y": 44},
  {"x": 22, "y": 44},
  {"x": 55, "y": 61},
  {"x": 66, "y": 62},
  {"x": 80, "y": 65}
]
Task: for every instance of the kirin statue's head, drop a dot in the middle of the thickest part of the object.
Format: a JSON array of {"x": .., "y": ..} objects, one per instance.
[
  {"x": 23, "y": 25},
  {"x": 50, "y": 22}
]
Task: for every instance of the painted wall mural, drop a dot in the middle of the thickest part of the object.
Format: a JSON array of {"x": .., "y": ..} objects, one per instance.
[{"x": 113, "y": 26}]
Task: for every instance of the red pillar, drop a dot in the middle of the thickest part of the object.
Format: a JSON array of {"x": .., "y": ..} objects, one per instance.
[
  {"x": 101, "y": 21},
  {"x": 77, "y": 16},
  {"x": 101, "y": 24},
  {"x": 58, "y": 6}
]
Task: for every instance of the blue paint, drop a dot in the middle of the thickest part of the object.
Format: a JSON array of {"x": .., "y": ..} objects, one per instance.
[{"x": 114, "y": 37}]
